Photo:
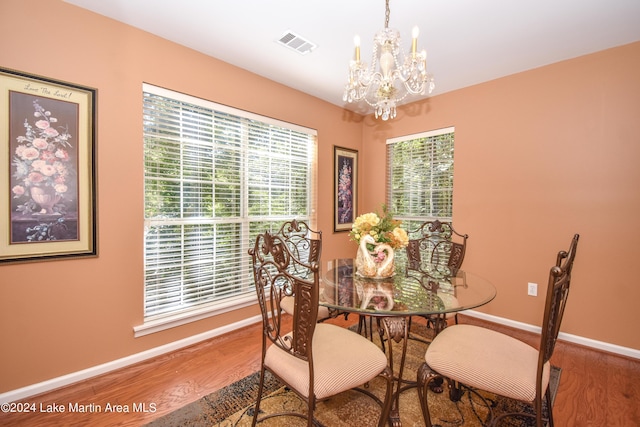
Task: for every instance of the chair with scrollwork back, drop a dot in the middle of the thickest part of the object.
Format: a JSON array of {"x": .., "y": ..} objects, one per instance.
[
  {"x": 481, "y": 358},
  {"x": 435, "y": 251},
  {"x": 306, "y": 244},
  {"x": 303, "y": 242},
  {"x": 315, "y": 360}
]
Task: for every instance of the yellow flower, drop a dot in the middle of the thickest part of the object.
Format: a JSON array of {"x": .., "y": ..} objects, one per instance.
[
  {"x": 382, "y": 229},
  {"x": 366, "y": 221},
  {"x": 399, "y": 238}
]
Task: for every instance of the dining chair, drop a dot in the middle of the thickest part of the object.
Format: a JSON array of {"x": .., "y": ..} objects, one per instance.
[
  {"x": 315, "y": 360},
  {"x": 480, "y": 358},
  {"x": 435, "y": 251},
  {"x": 305, "y": 244}
]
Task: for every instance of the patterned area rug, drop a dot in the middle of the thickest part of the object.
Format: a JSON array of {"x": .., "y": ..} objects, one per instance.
[{"x": 233, "y": 405}]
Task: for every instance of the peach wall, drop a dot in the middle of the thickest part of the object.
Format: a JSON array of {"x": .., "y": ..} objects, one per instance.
[
  {"x": 539, "y": 156},
  {"x": 512, "y": 138},
  {"x": 60, "y": 317}
]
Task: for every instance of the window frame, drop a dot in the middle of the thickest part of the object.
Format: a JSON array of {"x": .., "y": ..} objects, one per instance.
[
  {"x": 413, "y": 221},
  {"x": 183, "y": 314}
]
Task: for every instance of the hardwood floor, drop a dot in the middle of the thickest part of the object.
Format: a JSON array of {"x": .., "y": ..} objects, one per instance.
[{"x": 597, "y": 389}]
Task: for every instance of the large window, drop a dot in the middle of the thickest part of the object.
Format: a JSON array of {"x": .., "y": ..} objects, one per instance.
[
  {"x": 420, "y": 174},
  {"x": 214, "y": 177}
]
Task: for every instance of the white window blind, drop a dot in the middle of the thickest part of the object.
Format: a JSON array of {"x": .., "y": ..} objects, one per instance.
[
  {"x": 214, "y": 178},
  {"x": 420, "y": 177}
]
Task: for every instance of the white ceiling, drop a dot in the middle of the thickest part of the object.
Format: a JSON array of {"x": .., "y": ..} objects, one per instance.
[{"x": 467, "y": 41}]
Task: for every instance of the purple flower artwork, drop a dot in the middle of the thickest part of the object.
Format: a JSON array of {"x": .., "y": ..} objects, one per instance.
[{"x": 345, "y": 190}]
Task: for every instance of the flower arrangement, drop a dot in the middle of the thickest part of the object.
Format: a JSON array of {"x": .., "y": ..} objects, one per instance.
[
  {"x": 41, "y": 158},
  {"x": 383, "y": 229}
]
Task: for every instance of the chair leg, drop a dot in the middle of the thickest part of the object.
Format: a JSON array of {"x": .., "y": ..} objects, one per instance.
[
  {"x": 538, "y": 405},
  {"x": 537, "y": 416},
  {"x": 310, "y": 410},
  {"x": 256, "y": 410},
  {"x": 387, "y": 374},
  {"x": 547, "y": 397},
  {"x": 425, "y": 376}
]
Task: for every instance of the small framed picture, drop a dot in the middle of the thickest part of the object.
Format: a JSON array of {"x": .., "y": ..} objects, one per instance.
[
  {"x": 48, "y": 194},
  {"x": 345, "y": 182}
]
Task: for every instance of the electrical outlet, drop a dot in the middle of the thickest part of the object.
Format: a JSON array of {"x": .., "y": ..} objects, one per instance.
[{"x": 532, "y": 289}]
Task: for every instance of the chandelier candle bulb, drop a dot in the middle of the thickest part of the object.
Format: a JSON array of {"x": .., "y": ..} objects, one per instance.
[
  {"x": 414, "y": 42},
  {"x": 356, "y": 41}
]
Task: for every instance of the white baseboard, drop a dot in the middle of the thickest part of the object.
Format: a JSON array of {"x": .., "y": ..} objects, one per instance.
[
  {"x": 54, "y": 383},
  {"x": 587, "y": 342},
  {"x": 45, "y": 386}
]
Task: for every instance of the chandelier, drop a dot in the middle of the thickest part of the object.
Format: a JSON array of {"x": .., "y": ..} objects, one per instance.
[{"x": 392, "y": 74}]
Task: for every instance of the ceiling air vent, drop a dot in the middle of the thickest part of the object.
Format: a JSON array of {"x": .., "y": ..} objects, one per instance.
[{"x": 297, "y": 43}]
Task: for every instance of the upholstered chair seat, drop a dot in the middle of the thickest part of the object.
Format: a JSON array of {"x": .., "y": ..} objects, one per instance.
[
  {"x": 287, "y": 302},
  {"x": 499, "y": 363},
  {"x": 337, "y": 362}
]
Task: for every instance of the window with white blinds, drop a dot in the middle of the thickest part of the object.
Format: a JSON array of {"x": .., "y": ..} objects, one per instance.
[
  {"x": 420, "y": 177},
  {"x": 214, "y": 177}
]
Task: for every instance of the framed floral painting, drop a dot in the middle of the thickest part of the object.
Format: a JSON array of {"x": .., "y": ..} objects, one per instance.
[
  {"x": 47, "y": 146},
  {"x": 345, "y": 179}
]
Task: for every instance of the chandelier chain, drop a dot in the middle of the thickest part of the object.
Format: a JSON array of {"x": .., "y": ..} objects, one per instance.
[{"x": 386, "y": 15}]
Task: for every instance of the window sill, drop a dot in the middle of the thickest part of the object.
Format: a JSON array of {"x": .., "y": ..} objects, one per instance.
[{"x": 172, "y": 321}]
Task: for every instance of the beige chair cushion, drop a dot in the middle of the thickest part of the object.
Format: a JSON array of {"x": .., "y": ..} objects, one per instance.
[
  {"x": 488, "y": 360},
  {"x": 287, "y": 303},
  {"x": 342, "y": 360}
]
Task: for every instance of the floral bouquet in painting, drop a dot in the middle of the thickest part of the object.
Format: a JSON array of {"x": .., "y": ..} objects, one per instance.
[{"x": 40, "y": 164}]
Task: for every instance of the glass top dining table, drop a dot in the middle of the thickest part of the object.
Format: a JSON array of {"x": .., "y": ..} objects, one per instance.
[
  {"x": 402, "y": 295},
  {"x": 396, "y": 299}
]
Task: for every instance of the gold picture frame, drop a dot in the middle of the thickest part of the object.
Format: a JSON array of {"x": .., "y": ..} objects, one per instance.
[
  {"x": 345, "y": 184},
  {"x": 47, "y": 145}
]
